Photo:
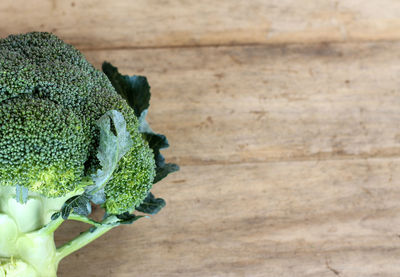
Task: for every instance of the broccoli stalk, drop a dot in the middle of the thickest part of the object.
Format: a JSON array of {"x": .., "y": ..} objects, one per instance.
[
  {"x": 27, "y": 234},
  {"x": 27, "y": 243},
  {"x": 70, "y": 137}
]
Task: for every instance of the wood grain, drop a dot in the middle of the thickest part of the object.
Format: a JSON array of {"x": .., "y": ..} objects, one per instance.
[
  {"x": 309, "y": 218},
  {"x": 289, "y": 161},
  {"x": 256, "y": 104},
  {"x": 284, "y": 117},
  {"x": 165, "y": 23}
]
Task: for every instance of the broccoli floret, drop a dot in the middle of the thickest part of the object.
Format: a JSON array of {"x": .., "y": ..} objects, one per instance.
[
  {"x": 43, "y": 146},
  {"x": 50, "y": 101}
]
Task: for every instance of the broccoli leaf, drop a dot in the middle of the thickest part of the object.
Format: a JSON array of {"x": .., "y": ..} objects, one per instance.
[
  {"x": 55, "y": 215},
  {"x": 163, "y": 171},
  {"x": 151, "y": 205},
  {"x": 111, "y": 149},
  {"x": 127, "y": 218},
  {"x": 134, "y": 89},
  {"x": 79, "y": 204},
  {"x": 97, "y": 197},
  {"x": 156, "y": 143}
]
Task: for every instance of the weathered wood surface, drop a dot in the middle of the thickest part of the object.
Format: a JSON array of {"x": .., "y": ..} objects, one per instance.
[
  {"x": 289, "y": 161},
  {"x": 154, "y": 23},
  {"x": 289, "y": 144},
  {"x": 256, "y": 104},
  {"x": 303, "y": 218}
]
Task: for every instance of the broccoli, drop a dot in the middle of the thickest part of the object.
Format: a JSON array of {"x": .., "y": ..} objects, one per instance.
[{"x": 71, "y": 137}]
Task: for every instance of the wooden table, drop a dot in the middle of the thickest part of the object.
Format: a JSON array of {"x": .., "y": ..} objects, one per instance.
[{"x": 284, "y": 116}]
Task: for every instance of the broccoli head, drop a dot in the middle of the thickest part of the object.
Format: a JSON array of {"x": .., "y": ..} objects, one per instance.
[
  {"x": 51, "y": 99},
  {"x": 70, "y": 137}
]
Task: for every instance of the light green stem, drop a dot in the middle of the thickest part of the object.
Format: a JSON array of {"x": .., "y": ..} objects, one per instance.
[
  {"x": 54, "y": 224},
  {"x": 84, "y": 219},
  {"x": 85, "y": 238}
]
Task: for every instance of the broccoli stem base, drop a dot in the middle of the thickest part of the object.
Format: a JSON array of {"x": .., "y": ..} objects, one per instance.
[
  {"x": 26, "y": 254},
  {"x": 27, "y": 247},
  {"x": 36, "y": 257}
]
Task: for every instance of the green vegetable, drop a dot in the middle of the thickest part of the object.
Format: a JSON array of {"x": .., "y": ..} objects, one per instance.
[{"x": 70, "y": 137}]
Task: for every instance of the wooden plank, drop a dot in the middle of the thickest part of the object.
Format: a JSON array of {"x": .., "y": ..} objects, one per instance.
[
  {"x": 318, "y": 124},
  {"x": 255, "y": 104},
  {"x": 289, "y": 153},
  {"x": 309, "y": 218},
  {"x": 165, "y": 23}
]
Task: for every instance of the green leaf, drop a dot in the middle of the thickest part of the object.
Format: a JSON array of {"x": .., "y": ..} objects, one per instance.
[
  {"x": 55, "y": 215},
  {"x": 164, "y": 170},
  {"x": 127, "y": 218},
  {"x": 98, "y": 197},
  {"x": 156, "y": 143},
  {"x": 21, "y": 194},
  {"x": 134, "y": 89},
  {"x": 111, "y": 149},
  {"x": 79, "y": 204},
  {"x": 151, "y": 205}
]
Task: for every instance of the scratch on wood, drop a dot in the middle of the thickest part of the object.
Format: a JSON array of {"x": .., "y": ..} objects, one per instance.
[
  {"x": 235, "y": 59},
  {"x": 367, "y": 191},
  {"x": 179, "y": 181},
  {"x": 260, "y": 114},
  {"x": 336, "y": 272}
]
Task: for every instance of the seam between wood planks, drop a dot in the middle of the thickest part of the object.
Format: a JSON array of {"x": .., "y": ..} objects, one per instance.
[
  {"x": 198, "y": 162},
  {"x": 256, "y": 44}
]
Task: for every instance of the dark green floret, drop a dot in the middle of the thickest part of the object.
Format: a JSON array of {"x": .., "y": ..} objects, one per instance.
[
  {"x": 43, "y": 146},
  {"x": 131, "y": 180}
]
